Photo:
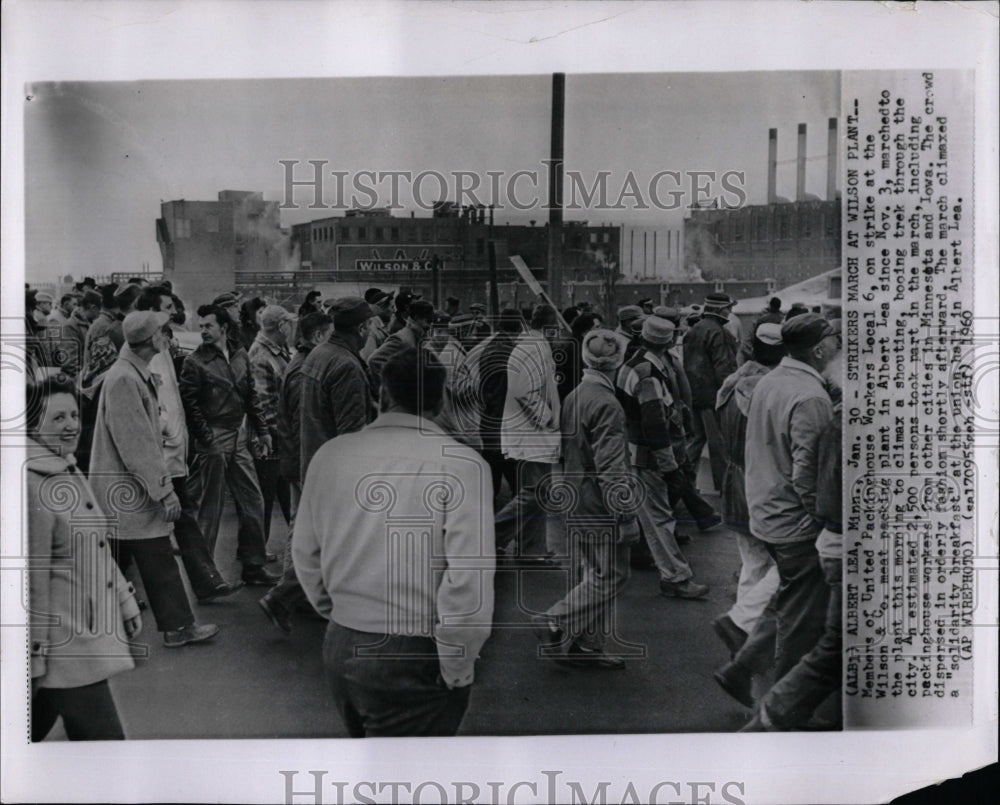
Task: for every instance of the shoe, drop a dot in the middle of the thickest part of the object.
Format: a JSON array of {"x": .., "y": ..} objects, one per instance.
[
  {"x": 729, "y": 633},
  {"x": 709, "y": 523},
  {"x": 277, "y": 613},
  {"x": 220, "y": 590},
  {"x": 256, "y": 576},
  {"x": 683, "y": 589},
  {"x": 546, "y": 630},
  {"x": 736, "y": 681},
  {"x": 195, "y": 633},
  {"x": 593, "y": 659}
]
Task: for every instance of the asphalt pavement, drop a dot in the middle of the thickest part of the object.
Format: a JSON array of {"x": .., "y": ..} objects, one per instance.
[{"x": 253, "y": 681}]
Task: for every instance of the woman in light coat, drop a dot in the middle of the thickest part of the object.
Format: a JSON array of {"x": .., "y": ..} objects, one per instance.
[{"x": 83, "y": 612}]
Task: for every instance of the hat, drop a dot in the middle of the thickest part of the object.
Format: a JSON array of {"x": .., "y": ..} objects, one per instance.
[
  {"x": 44, "y": 296},
  {"x": 768, "y": 333},
  {"x": 718, "y": 301},
  {"x": 636, "y": 324},
  {"x": 805, "y": 331},
  {"x": 668, "y": 313},
  {"x": 225, "y": 300},
  {"x": 376, "y": 296},
  {"x": 647, "y": 301},
  {"x": 657, "y": 331},
  {"x": 350, "y": 311},
  {"x": 603, "y": 349},
  {"x": 420, "y": 309},
  {"x": 835, "y": 326},
  {"x": 477, "y": 307},
  {"x": 272, "y": 315},
  {"x": 142, "y": 325},
  {"x": 628, "y": 314}
]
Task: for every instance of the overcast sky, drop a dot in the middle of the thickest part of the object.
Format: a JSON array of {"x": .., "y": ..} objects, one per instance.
[{"x": 100, "y": 157}]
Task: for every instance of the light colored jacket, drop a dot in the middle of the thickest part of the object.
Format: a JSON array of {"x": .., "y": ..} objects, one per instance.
[
  {"x": 79, "y": 599},
  {"x": 127, "y": 466},
  {"x": 789, "y": 411},
  {"x": 394, "y": 535},
  {"x": 175, "y": 434},
  {"x": 268, "y": 362},
  {"x": 530, "y": 429}
]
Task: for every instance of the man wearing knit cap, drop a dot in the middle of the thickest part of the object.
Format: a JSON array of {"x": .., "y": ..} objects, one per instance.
[
  {"x": 337, "y": 394},
  {"x": 653, "y": 417},
  {"x": 128, "y": 465},
  {"x": 602, "y": 524},
  {"x": 789, "y": 411},
  {"x": 709, "y": 358}
]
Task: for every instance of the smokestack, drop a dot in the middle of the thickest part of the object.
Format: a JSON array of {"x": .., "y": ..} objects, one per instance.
[
  {"x": 555, "y": 187},
  {"x": 831, "y": 159},
  {"x": 800, "y": 166},
  {"x": 772, "y": 165}
]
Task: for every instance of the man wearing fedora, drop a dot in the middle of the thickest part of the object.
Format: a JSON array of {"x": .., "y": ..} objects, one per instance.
[{"x": 709, "y": 358}]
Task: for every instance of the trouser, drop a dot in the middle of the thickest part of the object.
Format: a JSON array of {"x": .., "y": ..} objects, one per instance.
[
  {"x": 229, "y": 465},
  {"x": 272, "y": 485},
  {"x": 88, "y": 713},
  {"x": 794, "y": 697},
  {"x": 681, "y": 489},
  {"x": 800, "y": 603},
  {"x": 198, "y": 562},
  {"x": 598, "y": 570},
  {"x": 524, "y": 519},
  {"x": 88, "y": 419},
  {"x": 161, "y": 578},
  {"x": 288, "y": 593},
  {"x": 501, "y": 468},
  {"x": 390, "y": 685},
  {"x": 658, "y": 525},
  {"x": 706, "y": 428},
  {"x": 758, "y": 582}
]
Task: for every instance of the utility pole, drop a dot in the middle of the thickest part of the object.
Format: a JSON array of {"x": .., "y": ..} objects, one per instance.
[{"x": 555, "y": 187}]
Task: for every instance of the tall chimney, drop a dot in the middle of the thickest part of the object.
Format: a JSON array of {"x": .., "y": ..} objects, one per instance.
[
  {"x": 772, "y": 165},
  {"x": 832, "y": 147},
  {"x": 800, "y": 166}
]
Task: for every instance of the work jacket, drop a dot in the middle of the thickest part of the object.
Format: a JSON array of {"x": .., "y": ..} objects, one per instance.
[
  {"x": 530, "y": 429},
  {"x": 268, "y": 361},
  {"x": 709, "y": 358}
]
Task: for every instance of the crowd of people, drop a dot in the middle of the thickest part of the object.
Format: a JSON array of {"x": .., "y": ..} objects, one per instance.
[{"x": 411, "y": 451}]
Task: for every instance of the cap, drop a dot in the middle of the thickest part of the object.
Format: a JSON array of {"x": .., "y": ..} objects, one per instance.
[
  {"x": 603, "y": 349},
  {"x": 272, "y": 315},
  {"x": 647, "y": 301},
  {"x": 477, "y": 307},
  {"x": 376, "y": 296},
  {"x": 657, "y": 331},
  {"x": 718, "y": 301},
  {"x": 805, "y": 331},
  {"x": 420, "y": 309},
  {"x": 636, "y": 324},
  {"x": 142, "y": 325},
  {"x": 768, "y": 333},
  {"x": 44, "y": 296},
  {"x": 350, "y": 311},
  {"x": 668, "y": 313},
  {"x": 225, "y": 300},
  {"x": 628, "y": 314}
]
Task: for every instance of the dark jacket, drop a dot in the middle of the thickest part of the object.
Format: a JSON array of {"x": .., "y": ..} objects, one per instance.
[
  {"x": 709, "y": 358},
  {"x": 218, "y": 393},
  {"x": 290, "y": 416},
  {"x": 336, "y": 396},
  {"x": 595, "y": 454},
  {"x": 830, "y": 478},
  {"x": 655, "y": 429}
]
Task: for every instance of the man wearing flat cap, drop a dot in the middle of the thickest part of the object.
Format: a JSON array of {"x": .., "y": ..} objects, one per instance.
[
  {"x": 419, "y": 318},
  {"x": 128, "y": 467},
  {"x": 337, "y": 394},
  {"x": 789, "y": 412},
  {"x": 709, "y": 358},
  {"x": 380, "y": 302}
]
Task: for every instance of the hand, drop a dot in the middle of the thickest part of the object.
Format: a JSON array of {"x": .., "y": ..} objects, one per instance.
[
  {"x": 171, "y": 507},
  {"x": 265, "y": 445},
  {"x": 133, "y": 626}
]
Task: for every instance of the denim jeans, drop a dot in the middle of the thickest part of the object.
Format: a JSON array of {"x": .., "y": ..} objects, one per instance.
[
  {"x": 390, "y": 685},
  {"x": 794, "y": 697},
  {"x": 198, "y": 562},
  {"x": 229, "y": 464},
  {"x": 524, "y": 519}
]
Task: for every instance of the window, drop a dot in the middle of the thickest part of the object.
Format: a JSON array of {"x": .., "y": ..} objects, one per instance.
[
  {"x": 805, "y": 224},
  {"x": 480, "y": 246},
  {"x": 315, "y": 235},
  {"x": 737, "y": 230},
  {"x": 607, "y": 237},
  {"x": 411, "y": 234},
  {"x": 211, "y": 223},
  {"x": 362, "y": 233},
  {"x": 394, "y": 233},
  {"x": 426, "y": 234},
  {"x": 345, "y": 233},
  {"x": 593, "y": 238},
  {"x": 784, "y": 224},
  {"x": 182, "y": 227},
  {"x": 761, "y": 228},
  {"x": 378, "y": 233}
]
